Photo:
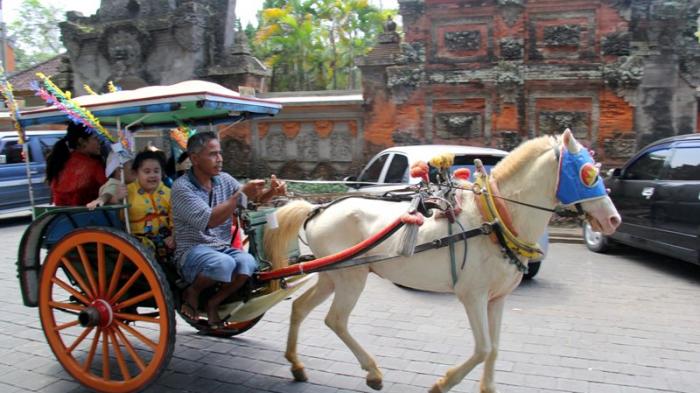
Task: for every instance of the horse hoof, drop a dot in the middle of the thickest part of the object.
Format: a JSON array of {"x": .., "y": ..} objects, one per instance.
[
  {"x": 299, "y": 375},
  {"x": 435, "y": 389},
  {"x": 375, "y": 384}
]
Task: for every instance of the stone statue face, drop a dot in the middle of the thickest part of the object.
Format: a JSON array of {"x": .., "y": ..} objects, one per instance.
[{"x": 124, "y": 52}]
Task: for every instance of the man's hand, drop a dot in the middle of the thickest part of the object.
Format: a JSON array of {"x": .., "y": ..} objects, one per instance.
[
  {"x": 253, "y": 189},
  {"x": 277, "y": 187}
]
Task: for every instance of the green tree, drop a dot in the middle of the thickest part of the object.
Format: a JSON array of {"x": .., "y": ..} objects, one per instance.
[
  {"x": 312, "y": 44},
  {"x": 35, "y": 33}
]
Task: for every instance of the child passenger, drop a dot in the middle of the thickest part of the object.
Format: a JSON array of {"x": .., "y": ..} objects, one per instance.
[
  {"x": 149, "y": 199},
  {"x": 113, "y": 191}
]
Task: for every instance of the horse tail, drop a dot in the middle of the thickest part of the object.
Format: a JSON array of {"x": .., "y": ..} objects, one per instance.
[{"x": 289, "y": 219}]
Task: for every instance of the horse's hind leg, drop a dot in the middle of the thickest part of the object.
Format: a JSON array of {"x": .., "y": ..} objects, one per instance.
[
  {"x": 478, "y": 320},
  {"x": 348, "y": 286},
  {"x": 495, "y": 311},
  {"x": 301, "y": 308}
]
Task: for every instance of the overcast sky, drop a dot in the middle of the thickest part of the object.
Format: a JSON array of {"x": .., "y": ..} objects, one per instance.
[{"x": 245, "y": 9}]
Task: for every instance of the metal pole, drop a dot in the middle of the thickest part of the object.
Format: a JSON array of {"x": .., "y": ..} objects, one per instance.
[
  {"x": 27, "y": 159},
  {"x": 121, "y": 166}
]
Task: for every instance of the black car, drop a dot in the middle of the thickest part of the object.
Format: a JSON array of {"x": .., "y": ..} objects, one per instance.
[{"x": 658, "y": 196}]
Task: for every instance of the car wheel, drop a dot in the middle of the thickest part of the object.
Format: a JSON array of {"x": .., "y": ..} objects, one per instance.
[
  {"x": 595, "y": 241},
  {"x": 532, "y": 268}
]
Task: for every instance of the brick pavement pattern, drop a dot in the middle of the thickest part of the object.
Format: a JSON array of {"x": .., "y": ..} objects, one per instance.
[{"x": 621, "y": 323}]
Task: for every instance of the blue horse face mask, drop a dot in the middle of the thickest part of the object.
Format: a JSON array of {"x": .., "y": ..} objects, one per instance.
[{"x": 578, "y": 178}]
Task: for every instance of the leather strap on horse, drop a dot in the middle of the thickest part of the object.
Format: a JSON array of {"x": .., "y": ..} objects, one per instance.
[{"x": 490, "y": 210}]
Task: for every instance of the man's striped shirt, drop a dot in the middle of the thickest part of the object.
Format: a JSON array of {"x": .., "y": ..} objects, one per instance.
[{"x": 191, "y": 207}]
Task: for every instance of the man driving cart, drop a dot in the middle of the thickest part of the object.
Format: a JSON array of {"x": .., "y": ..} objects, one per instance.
[{"x": 203, "y": 203}]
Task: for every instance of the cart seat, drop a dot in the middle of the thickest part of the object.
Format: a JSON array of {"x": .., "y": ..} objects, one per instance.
[{"x": 67, "y": 219}]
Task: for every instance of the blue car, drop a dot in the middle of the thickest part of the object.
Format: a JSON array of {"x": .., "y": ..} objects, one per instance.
[{"x": 14, "y": 189}]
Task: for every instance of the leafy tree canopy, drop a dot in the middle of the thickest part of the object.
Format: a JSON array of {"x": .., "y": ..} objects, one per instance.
[
  {"x": 313, "y": 44},
  {"x": 35, "y": 33}
]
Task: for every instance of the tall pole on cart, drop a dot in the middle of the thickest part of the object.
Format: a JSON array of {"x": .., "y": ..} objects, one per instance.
[{"x": 121, "y": 167}]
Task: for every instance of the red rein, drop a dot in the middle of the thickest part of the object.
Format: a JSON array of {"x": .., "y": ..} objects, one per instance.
[{"x": 311, "y": 266}]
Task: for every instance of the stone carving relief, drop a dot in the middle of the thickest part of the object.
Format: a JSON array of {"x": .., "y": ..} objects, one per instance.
[
  {"x": 620, "y": 146},
  {"x": 323, "y": 171},
  {"x": 402, "y": 81},
  {"x": 459, "y": 125},
  {"x": 617, "y": 44},
  {"x": 463, "y": 40},
  {"x": 511, "y": 49},
  {"x": 412, "y": 52},
  {"x": 563, "y": 35},
  {"x": 237, "y": 157},
  {"x": 508, "y": 140},
  {"x": 556, "y": 122},
  {"x": 307, "y": 146},
  {"x": 189, "y": 26},
  {"x": 625, "y": 73},
  {"x": 403, "y": 138},
  {"x": 508, "y": 80},
  {"x": 274, "y": 145},
  {"x": 511, "y": 10},
  {"x": 125, "y": 47},
  {"x": 404, "y": 77},
  {"x": 341, "y": 145}
]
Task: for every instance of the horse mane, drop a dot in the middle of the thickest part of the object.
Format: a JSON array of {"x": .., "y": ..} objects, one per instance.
[{"x": 522, "y": 154}]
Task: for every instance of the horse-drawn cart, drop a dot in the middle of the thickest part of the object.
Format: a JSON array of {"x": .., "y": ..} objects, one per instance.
[{"x": 107, "y": 306}]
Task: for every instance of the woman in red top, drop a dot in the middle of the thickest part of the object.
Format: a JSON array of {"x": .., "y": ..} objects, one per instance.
[{"x": 74, "y": 169}]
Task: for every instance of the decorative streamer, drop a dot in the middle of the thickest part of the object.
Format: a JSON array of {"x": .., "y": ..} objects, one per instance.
[
  {"x": 112, "y": 88},
  {"x": 52, "y": 94},
  {"x": 180, "y": 135},
  {"x": 6, "y": 90},
  {"x": 89, "y": 89}
]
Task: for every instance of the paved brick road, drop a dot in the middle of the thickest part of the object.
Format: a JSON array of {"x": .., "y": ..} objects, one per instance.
[{"x": 588, "y": 323}]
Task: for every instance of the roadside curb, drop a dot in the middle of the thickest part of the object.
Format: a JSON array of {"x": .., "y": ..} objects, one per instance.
[{"x": 565, "y": 235}]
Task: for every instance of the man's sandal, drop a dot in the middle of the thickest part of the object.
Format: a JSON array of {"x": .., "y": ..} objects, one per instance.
[{"x": 188, "y": 311}]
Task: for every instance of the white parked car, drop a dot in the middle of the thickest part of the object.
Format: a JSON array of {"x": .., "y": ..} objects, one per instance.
[{"x": 390, "y": 169}]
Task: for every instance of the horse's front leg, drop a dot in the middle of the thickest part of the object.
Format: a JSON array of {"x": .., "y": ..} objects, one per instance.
[
  {"x": 348, "y": 287},
  {"x": 301, "y": 308},
  {"x": 478, "y": 320},
  {"x": 495, "y": 311}
]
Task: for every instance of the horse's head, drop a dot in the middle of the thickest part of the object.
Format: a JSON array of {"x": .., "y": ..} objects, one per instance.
[{"x": 579, "y": 183}]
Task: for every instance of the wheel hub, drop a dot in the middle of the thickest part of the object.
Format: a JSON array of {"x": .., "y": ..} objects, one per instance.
[{"x": 98, "y": 313}]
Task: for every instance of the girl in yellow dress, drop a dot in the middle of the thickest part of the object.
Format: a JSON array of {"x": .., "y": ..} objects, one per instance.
[{"x": 149, "y": 199}]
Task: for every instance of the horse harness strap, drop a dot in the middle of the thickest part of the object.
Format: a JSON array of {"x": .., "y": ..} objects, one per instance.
[{"x": 509, "y": 241}]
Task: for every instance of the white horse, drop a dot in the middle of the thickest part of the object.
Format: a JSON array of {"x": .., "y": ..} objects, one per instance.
[{"x": 529, "y": 174}]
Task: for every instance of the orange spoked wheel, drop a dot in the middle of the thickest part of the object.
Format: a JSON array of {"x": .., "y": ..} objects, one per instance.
[{"x": 106, "y": 310}]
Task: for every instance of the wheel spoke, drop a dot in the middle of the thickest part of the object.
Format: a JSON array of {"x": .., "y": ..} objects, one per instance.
[
  {"x": 88, "y": 269},
  {"x": 77, "y": 277},
  {"x": 132, "y": 352},
  {"x": 133, "y": 300},
  {"x": 138, "y": 335},
  {"x": 126, "y": 287},
  {"x": 101, "y": 270},
  {"x": 93, "y": 349},
  {"x": 115, "y": 276},
  {"x": 120, "y": 357},
  {"x": 80, "y": 339},
  {"x": 66, "y": 325},
  {"x": 105, "y": 356},
  {"x": 70, "y": 290},
  {"x": 66, "y": 306},
  {"x": 135, "y": 317}
]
